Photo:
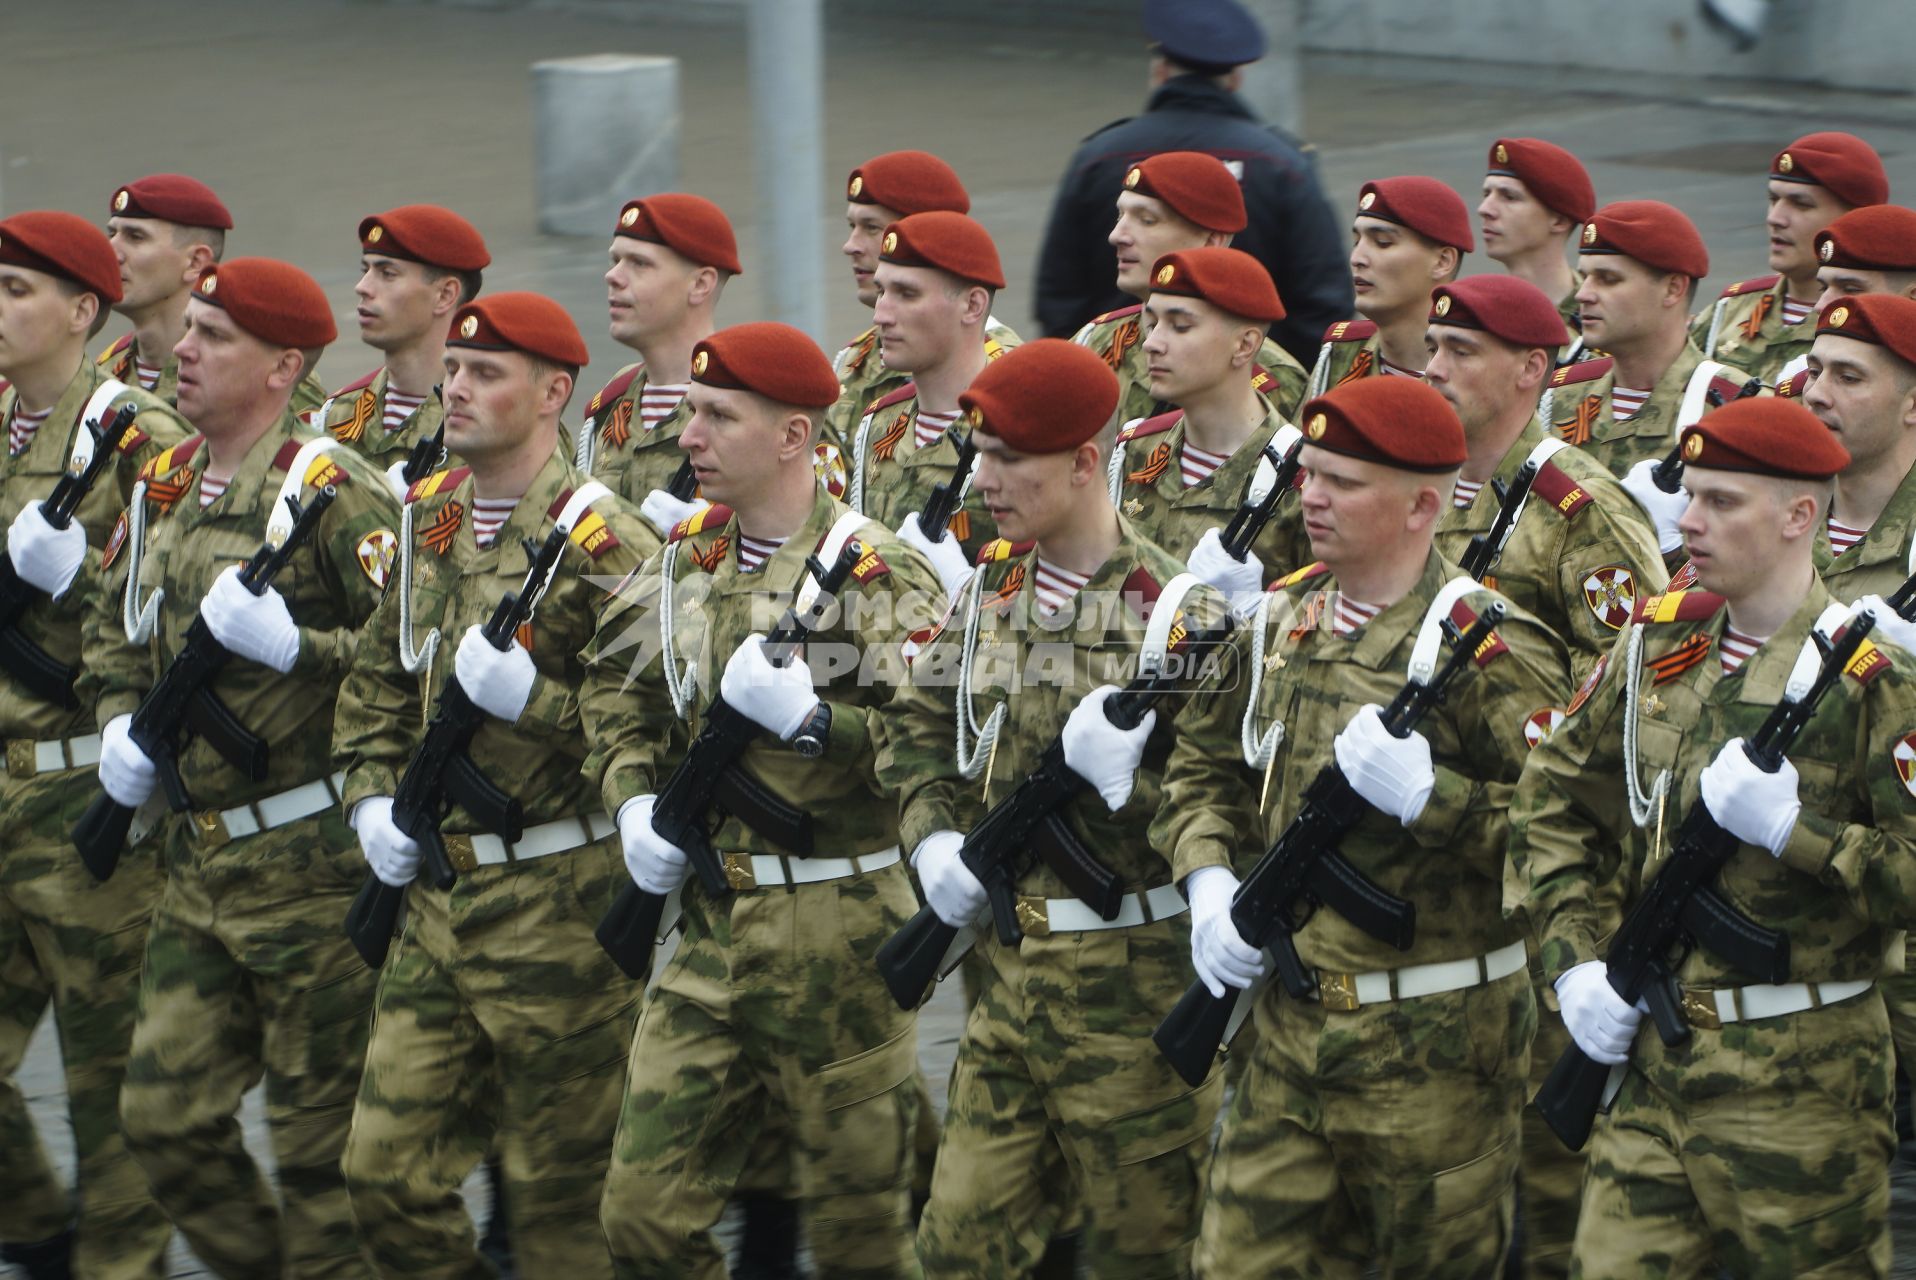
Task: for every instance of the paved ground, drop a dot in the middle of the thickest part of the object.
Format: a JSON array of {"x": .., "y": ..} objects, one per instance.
[{"x": 308, "y": 115}]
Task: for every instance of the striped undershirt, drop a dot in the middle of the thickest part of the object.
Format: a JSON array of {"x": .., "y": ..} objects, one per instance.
[
  {"x": 1194, "y": 463},
  {"x": 925, "y": 432},
  {"x": 1795, "y": 313},
  {"x": 1399, "y": 370},
  {"x": 754, "y": 552},
  {"x": 21, "y": 430},
  {"x": 1843, "y": 536},
  {"x": 212, "y": 488},
  {"x": 1350, "y": 615},
  {"x": 1056, "y": 586},
  {"x": 658, "y": 400},
  {"x": 399, "y": 407},
  {"x": 1625, "y": 401},
  {"x": 1467, "y": 491},
  {"x": 148, "y": 374},
  {"x": 489, "y": 516},
  {"x": 1736, "y": 648}
]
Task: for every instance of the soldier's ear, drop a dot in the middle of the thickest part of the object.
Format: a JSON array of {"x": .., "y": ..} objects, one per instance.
[
  {"x": 1250, "y": 340},
  {"x": 704, "y": 286}
]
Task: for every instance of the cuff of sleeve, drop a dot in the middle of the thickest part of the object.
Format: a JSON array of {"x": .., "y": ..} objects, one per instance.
[
  {"x": 1195, "y": 855},
  {"x": 366, "y": 781},
  {"x": 849, "y": 737},
  {"x": 1565, "y": 949},
  {"x": 114, "y": 704},
  {"x": 1444, "y": 812},
  {"x": 1811, "y": 844},
  {"x": 920, "y": 820},
  {"x": 316, "y": 650},
  {"x": 623, "y": 781}
]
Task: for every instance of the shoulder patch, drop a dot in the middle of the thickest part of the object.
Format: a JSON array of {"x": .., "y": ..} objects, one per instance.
[
  {"x": 1315, "y": 569},
  {"x": 438, "y": 482},
  {"x": 358, "y": 385},
  {"x": 1142, "y": 590},
  {"x": 113, "y": 352},
  {"x": 1611, "y": 593},
  {"x": 114, "y": 541},
  {"x": 1490, "y": 647},
  {"x": 1540, "y": 724},
  {"x": 1350, "y": 331},
  {"x": 1677, "y": 606},
  {"x": 1003, "y": 549},
  {"x": 613, "y": 390},
  {"x": 375, "y": 553},
  {"x": 1140, "y": 427},
  {"x": 351, "y": 429},
  {"x": 1121, "y": 313},
  {"x": 1903, "y": 757},
  {"x": 715, "y": 516},
  {"x": 1868, "y": 663},
  {"x": 859, "y": 350},
  {"x": 1262, "y": 379},
  {"x": 1582, "y": 371},
  {"x": 870, "y": 565},
  {"x": 1560, "y": 489},
  {"x": 133, "y": 441},
  {"x": 907, "y": 392},
  {"x": 170, "y": 460},
  {"x": 1589, "y": 685},
  {"x": 590, "y": 533},
  {"x": 1755, "y": 285},
  {"x": 1793, "y": 387}
]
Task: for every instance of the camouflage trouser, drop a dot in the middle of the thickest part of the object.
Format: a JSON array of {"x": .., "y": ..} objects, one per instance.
[
  {"x": 248, "y": 970},
  {"x": 1552, "y": 1175},
  {"x": 501, "y": 1025},
  {"x": 66, "y": 939},
  {"x": 1762, "y": 1148},
  {"x": 771, "y": 1003},
  {"x": 1899, "y": 994},
  {"x": 1384, "y": 1135},
  {"x": 1057, "y": 1083}
]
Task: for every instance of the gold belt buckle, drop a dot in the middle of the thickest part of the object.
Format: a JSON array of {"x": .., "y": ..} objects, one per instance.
[
  {"x": 1699, "y": 1010},
  {"x": 1032, "y": 918},
  {"x": 1337, "y": 991},
  {"x": 210, "y": 825},
  {"x": 459, "y": 853},
  {"x": 21, "y": 759},
  {"x": 738, "y": 871}
]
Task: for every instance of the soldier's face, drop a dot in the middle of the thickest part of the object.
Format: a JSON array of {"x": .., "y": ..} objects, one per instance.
[
  {"x": 1146, "y": 230},
  {"x": 395, "y": 300},
  {"x": 1512, "y": 221},
  {"x": 1797, "y": 211},
  {"x": 152, "y": 267},
  {"x": 1481, "y": 376},
  {"x": 647, "y": 289},
  {"x": 1847, "y": 282},
  {"x": 1392, "y": 268},
  {"x": 1029, "y": 494},
  {"x": 493, "y": 400},
  {"x": 920, "y": 316},
  {"x": 865, "y": 225},
  {"x": 1738, "y": 526},
  {"x": 1619, "y": 300},
  {"x": 739, "y": 443},
  {"x": 1192, "y": 347},
  {"x": 39, "y": 316},
  {"x": 1863, "y": 394},
  {"x": 1357, "y": 512},
  {"x": 225, "y": 372}
]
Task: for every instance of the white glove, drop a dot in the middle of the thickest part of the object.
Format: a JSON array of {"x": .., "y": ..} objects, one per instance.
[
  {"x": 1212, "y": 564},
  {"x": 780, "y": 699},
  {"x": 256, "y": 627},
  {"x": 954, "y": 893},
  {"x": 499, "y": 681},
  {"x": 655, "y": 864},
  {"x": 1394, "y": 774},
  {"x": 665, "y": 511},
  {"x": 125, "y": 771},
  {"x": 1756, "y": 807},
  {"x": 1102, "y": 754},
  {"x": 391, "y": 853},
  {"x": 1889, "y": 624},
  {"x": 43, "y": 555},
  {"x": 946, "y": 556},
  {"x": 396, "y": 479},
  {"x": 1218, "y": 951},
  {"x": 1596, "y": 1017},
  {"x": 1664, "y": 509}
]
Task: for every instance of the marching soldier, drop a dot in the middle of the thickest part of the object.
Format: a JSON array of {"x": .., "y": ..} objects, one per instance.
[
  {"x": 165, "y": 229},
  {"x": 418, "y": 263},
  {"x": 458, "y": 1052},
  {"x": 671, "y": 256},
  {"x": 1056, "y": 1057},
  {"x": 1536, "y": 195},
  {"x": 1871, "y": 250},
  {"x": 1172, "y": 201},
  {"x": 1409, "y": 236},
  {"x": 246, "y": 969},
  {"x": 1765, "y": 326},
  {"x": 884, "y": 190},
  {"x": 63, "y": 938},
  {"x": 1379, "y": 1121},
  {"x": 1760, "y": 1143},
  {"x": 1579, "y": 553},
  {"x": 770, "y": 1005}
]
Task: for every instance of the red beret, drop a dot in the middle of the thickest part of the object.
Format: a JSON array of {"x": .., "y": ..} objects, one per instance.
[
  {"x": 1765, "y": 435},
  {"x": 1557, "y": 178},
  {"x": 1654, "y": 233},
  {"x": 690, "y": 225},
  {"x": 1503, "y": 306},
  {"x": 527, "y": 322},
  {"x": 1425, "y": 205},
  {"x": 175, "y": 198},
  {"x": 908, "y": 181},
  {"x": 1196, "y": 186},
  {"x": 1877, "y": 237},
  {"x": 1888, "y": 320},
  {"x": 1230, "y": 279},
  {"x": 1400, "y": 422},
  {"x": 64, "y": 245},
  {"x": 425, "y": 233},
  {"x": 950, "y": 242},
  {"x": 1045, "y": 396},
  {"x": 769, "y": 359},
  {"x": 276, "y": 302},
  {"x": 1841, "y": 163}
]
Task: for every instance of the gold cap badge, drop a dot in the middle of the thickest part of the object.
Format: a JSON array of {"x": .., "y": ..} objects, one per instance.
[
  {"x": 1315, "y": 428},
  {"x": 1503, "y": 156},
  {"x": 1826, "y": 250},
  {"x": 1131, "y": 178},
  {"x": 891, "y": 241},
  {"x": 208, "y": 284},
  {"x": 1370, "y": 198},
  {"x": 1838, "y": 317},
  {"x": 857, "y": 185},
  {"x": 1167, "y": 273},
  {"x": 1443, "y": 305},
  {"x": 375, "y": 235},
  {"x": 1589, "y": 233},
  {"x": 468, "y": 326},
  {"x": 1784, "y": 163},
  {"x": 119, "y": 201},
  {"x": 629, "y": 217},
  {"x": 699, "y": 362},
  {"x": 1692, "y": 447}
]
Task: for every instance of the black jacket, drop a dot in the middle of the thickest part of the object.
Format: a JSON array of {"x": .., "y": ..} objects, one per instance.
[{"x": 1292, "y": 230}]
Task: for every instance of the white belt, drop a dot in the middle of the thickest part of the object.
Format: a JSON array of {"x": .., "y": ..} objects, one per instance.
[
  {"x": 1746, "y": 1004},
  {"x": 1347, "y": 991},
  {"x": 544, "y": 840},
  {"x": 25, "y": 757},
  {"x": 273, "y": 811},
  {"x": 1040, "y": 917},
  {"x": 766, "y": 870}
]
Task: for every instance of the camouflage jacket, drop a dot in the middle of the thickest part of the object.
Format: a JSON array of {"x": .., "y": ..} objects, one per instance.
[
  {"x": 1118, "y": 336},
  {"x": 455, "y": 584},
  {"x": 1450, "y": 861},
  {"x": 1882, "y": 560},
  {"x": 54, "y": 625},
  {"x": 890, "y": 477},
  {"x": 1745, "y": 328},
  {"x": 1846, "y": 881},
  {"x": 355, "y": 415},
  {"x": 863, "y": 379},
  {"x": 330, "y": 586},
  {"x": 1580, "y": 555},
  {"x": 615, "y": 446},
  {"x": 1351, "y": 350},
  {"x": 1037, "y": 669},
  {"x": 1576, "y": 406},
  {"x": 121, "y": 360},
  {"x": 640, "y": 715}
]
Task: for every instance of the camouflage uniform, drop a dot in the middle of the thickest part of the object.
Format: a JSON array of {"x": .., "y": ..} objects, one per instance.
[
  {"x": 1118, "y": 336},
  {"x": 615, "y": 446},
  {"x": 356, "y": 415},
  {"x": 1351, "y": 350},
  {"x": 1745, "y": 328},
  {"x": 498, "y": 1013},
  {"x": 889, "y": 477},
  {"x": 864, "y": 380},
  {"x": 246, "y": 965},
  {"x": 1056, "y": 1064},
  {"x": 1148, "y": 486},
  {"x": 770, "y": 1005},
  {"x": 1576, "y": 406},
  {"x": 1385, "y": 1131},
  {"x": 63, "y": 937},
  {"x": 119, "y": 361},
  {"x": 1762, "y": 1145}
]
